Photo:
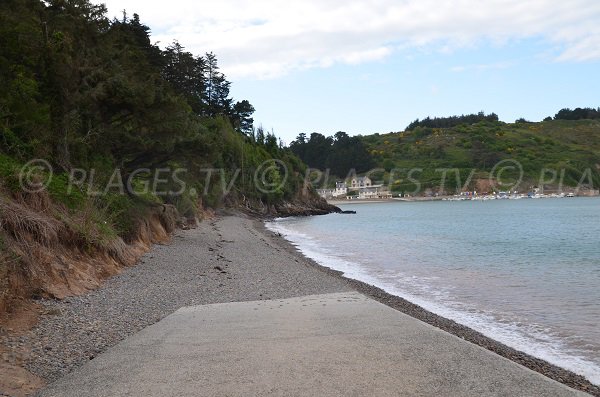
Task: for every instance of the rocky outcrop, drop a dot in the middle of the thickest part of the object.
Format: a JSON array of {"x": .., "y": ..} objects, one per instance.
[
  {"x": 305, "y": 203},
  {"x": 304, "y": 208}
]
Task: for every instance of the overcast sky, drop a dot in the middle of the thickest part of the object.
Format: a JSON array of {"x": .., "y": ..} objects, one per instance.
[{"x": 374, "y": 66}]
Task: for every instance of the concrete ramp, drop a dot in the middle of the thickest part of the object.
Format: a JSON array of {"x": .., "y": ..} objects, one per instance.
[{"x": 342, "y": 344}]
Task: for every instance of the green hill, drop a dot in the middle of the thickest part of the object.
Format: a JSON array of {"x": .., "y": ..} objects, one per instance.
[
  {"x": 473, "y": 152},
  {"x": 569, "y": 148}
]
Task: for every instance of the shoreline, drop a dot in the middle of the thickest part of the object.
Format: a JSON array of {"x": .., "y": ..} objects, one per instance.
[
  {"x": 362, "y": 201},
  {"x": 424, "y": 199},
  {"x": 541, "y": 366},
  {"x": 232, "y": 258}
]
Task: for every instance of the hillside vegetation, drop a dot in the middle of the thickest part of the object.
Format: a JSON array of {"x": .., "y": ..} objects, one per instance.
[
  {"x": 133, "y": 140},
  {"x": 472, "y": 152},
  {"x": 569, "y": 148},
  {"x": 82, "y": 91}
]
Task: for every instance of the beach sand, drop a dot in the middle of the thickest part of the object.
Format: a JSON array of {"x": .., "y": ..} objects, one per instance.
[{"x": 228, "y": 259}]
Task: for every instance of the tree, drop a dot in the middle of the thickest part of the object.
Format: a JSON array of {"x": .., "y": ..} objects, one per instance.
[
  {"x": 452, "y": 121},
  {"x": 141, "y": 37},
  {"x": 221, "y": 103},
  {"x": 298, "y": 146},
  {"x": 339, "y": 153},
  {"x": 271, "y": 143},
  {"x": 217, "y": 87},
  {"x": 260, "y": 135},
  {"x": 88, "y": 92},
  {"x": 577, "y": 114},
  {"x": 242, "y": 117},
  {"x": 348, "y": 153},
  {"x": 185, "y": 73}
]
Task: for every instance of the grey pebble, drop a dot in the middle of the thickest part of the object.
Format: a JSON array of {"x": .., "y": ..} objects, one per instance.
[{"x": 80, "y": 328}]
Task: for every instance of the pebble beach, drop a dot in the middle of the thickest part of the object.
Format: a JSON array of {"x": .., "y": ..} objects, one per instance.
[{"x": 227, "y": 259}]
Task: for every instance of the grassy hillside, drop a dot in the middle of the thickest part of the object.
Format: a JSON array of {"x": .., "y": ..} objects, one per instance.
[{"x": 568, "y": 148}]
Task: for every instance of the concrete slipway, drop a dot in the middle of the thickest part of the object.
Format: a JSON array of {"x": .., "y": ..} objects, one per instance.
[{"x": 340, "y": 344}]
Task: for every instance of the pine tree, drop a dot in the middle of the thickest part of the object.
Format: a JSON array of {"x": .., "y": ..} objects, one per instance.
[
  {"x": 217, "y": 87},
  {"x": 186, "y": 75},
  {"x": 242, "y": 117}
]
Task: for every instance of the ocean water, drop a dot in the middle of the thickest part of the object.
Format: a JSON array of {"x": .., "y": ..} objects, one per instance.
[{"x": 524, "y": 272}]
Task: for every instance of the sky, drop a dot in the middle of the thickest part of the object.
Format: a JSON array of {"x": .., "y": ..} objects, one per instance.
[{"x": 374, "y": 66}]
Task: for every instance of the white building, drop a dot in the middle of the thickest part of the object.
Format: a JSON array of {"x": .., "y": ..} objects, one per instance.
[
  {"x": 325, "y": 193},
  {"x": 341, "y": 189},
  {"x": 374, "y": 192},
  {"x": 361, "y": 182},
  {"x": 363, "y": 185},
  {"x": 367, "y": 190}
]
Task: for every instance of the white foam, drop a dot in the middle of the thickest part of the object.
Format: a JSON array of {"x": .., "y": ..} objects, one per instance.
[{"x": 527, "y": 338}]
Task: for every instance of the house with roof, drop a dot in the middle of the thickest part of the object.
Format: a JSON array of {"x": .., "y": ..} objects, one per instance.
[
  {"x": 359, "y": 182},
  {"x": 365, "y": 189},
  {"x": 374, "y": 192},
  {"x": 362, "y": 186},
  {"x": 325, "y": 193},
  {"x": 341, "y": 189}
]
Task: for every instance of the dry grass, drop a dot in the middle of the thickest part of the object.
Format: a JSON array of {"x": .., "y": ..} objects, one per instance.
[
  {"x": 5, "y": 261},
  {"x": 88, "y": 227},
  {"x": 37, "y": 201},
  {"x": 169, "y": 217},
  {"x": 49, "y": 250},
  {"x": 121, "y": 252},
  {"x": 26, "y": 225}
]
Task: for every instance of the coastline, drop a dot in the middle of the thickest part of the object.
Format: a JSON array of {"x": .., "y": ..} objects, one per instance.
[
  {"x": 386, "y": 200},
  {"x": 231, "y": 258},
  {"x": 361, "y": 201},
  {"x": 541, "y": 366},
  {"x": 416, "y": 199}
]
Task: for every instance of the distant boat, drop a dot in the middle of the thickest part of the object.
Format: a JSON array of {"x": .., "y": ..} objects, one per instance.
[
  {"x": 348, "y": 212},
  {"x": 571, "y": 195}
]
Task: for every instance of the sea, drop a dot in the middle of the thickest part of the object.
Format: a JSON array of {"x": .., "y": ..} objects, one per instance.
[{"x": 523, "y": 272}]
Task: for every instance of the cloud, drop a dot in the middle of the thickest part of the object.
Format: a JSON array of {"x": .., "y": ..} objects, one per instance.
[{"x": 270, "y": 38}]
